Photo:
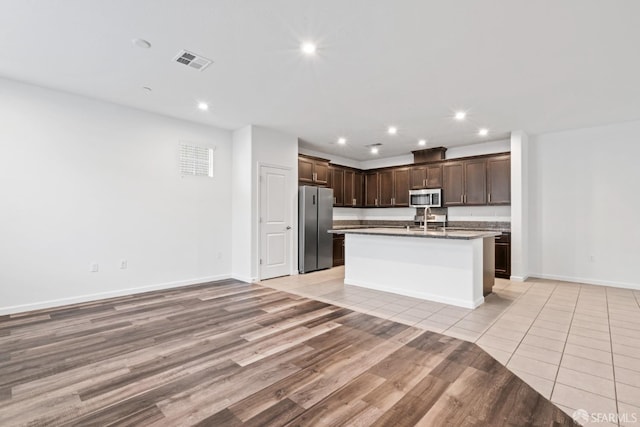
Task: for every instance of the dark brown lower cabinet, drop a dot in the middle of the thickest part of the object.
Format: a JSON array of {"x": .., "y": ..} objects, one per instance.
[
  {"x": 338, "y": 249},
  {"x": 503, "y": 256}
]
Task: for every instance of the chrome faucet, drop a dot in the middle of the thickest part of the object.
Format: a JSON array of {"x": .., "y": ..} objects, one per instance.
[{"x": 427, "y": 213}]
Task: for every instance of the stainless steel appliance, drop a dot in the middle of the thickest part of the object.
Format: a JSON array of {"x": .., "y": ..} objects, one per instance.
[
  {"x": 427, "y": 198},
  {"x": 315, "y": 217}
]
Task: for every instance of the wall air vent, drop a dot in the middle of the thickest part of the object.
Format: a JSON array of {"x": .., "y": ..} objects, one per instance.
[
  {"x": 196, "y": 161},
  {"x": 192, "y": 60}
]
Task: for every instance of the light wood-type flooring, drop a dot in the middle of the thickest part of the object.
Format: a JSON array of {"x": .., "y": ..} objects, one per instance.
[{"x": 229, "y": 354}]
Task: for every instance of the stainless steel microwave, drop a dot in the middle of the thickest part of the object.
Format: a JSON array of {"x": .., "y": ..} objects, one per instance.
[{"x": 427, "y": 198}]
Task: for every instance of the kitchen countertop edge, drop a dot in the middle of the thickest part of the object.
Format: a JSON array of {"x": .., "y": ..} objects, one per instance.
[{"x": 433, "y": 234}]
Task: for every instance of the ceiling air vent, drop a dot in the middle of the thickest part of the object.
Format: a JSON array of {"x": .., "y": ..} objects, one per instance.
[{"x": 192, "y": 60}]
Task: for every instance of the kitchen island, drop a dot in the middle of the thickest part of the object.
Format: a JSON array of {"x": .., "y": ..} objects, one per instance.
[{"x": 451, "y": 267}]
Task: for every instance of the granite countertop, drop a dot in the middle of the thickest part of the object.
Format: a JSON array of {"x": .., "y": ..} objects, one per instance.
[{"x": 433, "y": 234}]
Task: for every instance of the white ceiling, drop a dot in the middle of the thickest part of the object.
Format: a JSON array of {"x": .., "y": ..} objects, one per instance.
[{"x": 539, "y": 66}]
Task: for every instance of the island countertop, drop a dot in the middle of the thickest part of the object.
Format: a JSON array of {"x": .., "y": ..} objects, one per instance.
[{"x": 413, "y": 232}]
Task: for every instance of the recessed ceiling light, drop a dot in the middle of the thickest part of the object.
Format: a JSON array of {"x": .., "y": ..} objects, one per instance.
[
  {"x": 342, "y": 141},
  {"x": 142, "y": 43},
  {"x": 308, "y": 48},
  {"x": 392, "y": 130},
  {"x": 422, "y": 142},
  {"x": 203, "y": 106},
  {"x": 374, "y": 150},
  {"x": 460, "y": 115},
  {"x": 483, "y": 132}
]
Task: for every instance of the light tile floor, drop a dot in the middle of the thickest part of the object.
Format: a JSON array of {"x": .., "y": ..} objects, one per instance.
[{"x": 577, "y": 344}]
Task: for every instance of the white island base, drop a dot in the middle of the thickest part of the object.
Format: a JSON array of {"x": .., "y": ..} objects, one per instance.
[{"x": 447, "y": 270}]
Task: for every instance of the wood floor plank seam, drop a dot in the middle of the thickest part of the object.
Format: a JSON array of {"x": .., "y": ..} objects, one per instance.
[{"x": 229, "y": 353}]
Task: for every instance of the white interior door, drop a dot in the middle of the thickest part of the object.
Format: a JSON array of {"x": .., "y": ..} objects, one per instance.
[{"x": 275, "y": 222}]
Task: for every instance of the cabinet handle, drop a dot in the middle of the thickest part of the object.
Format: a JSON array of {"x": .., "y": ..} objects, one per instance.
[
  {"x": 489, "y": 197},
  {"x": 465, "y": 198},
  {"x": 424, "y": 182},
  {"x": 335, "y": 200},
  {"x": 376, "y": 203},
  {"x": 462, "y": 198},
  {"x": 353, "y": 202}
]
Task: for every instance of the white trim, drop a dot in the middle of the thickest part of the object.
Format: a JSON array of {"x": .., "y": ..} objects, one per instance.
[
  {"x": 421, "y": 295},
  {"x": 518, "y": 278},
  {"x": 625, "y": 285},
  {"x": 243, "y": 278},
  {"x": 109, "y": 294}
]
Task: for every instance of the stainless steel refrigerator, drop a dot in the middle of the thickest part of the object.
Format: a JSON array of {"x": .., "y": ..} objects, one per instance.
[{"x": 315, "y": 216}]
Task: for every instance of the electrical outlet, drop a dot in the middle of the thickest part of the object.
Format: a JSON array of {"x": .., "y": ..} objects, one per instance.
[
  {"x": 123, "y": 264},
  {"x": 94, "y": 268}
]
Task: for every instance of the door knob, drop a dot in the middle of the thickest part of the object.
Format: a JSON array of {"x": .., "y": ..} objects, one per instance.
[{"x": 288, "y": 227}]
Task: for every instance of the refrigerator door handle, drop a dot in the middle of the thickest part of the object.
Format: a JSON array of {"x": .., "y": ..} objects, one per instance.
[{"x": 314, "y": 199}]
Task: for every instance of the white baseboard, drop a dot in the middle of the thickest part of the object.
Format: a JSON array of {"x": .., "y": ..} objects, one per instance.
[
  {"x": 518, "y": 278},
  {"x": 242, "y": 278},
  {"x": 597, "y": 282},
  {"x": 110, "y": 294},
  {"x": 421, "y": 295}
]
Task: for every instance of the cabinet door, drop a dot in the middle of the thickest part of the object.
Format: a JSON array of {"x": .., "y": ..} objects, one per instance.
[
  {"x": 418, "y": 177},
  {"x": 499, "y": 180},
  {"x": 322, "y": 172},
  {"x": 401, "y": 187},
  {"x": 348, "y": 188},
  {"x": 434, "y": 176},
  {"x": 305, "y": 170},
  {"x": 503, "y": 255},
  {"x": 358, "y": 189},
  {"x": 453, "y": 184},
  {"x": 475, "y": 180},
  {"x": 337, "y": 183},
  {"x": 371, "y": 190},
  {"x": 385, "y": 185},
  {"x": 338, "y": 250}
]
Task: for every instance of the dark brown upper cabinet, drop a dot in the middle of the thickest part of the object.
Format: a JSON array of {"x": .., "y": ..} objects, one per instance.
[
  {"x": 464, "y": 183},
  {"x": 453, "y": 184},
  {"x": 475, "y": 182},
  {"x": 385, "y": 188},
  {"x": 425, "y": 176},
  {"x": 371, "y": 189},
  {"x": 478, "y": 180},
  {"x": 349, "y": 200},
  {"x": 337, "y": 184},
  {"x": 312, "y": 170},
  {"x": 388, "y": 188},
  {"x": 358, "y": 189},
  {"x": 347, "y": 185},
  {"x": 499, "y": 180},
  {"x": 401, "y": 187}
]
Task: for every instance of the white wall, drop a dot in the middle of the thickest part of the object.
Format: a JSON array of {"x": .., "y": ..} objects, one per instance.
[
  {"x": 242, "y": 204},
  {"x": 85, "y": 181},
  {"x": 343, "y": 161},
  {"x": 584, "y": 205},
  {"x": 489, "y": 147},
  {"x": 387, "y": 162},
  {"x": 520, "y": 195}
]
